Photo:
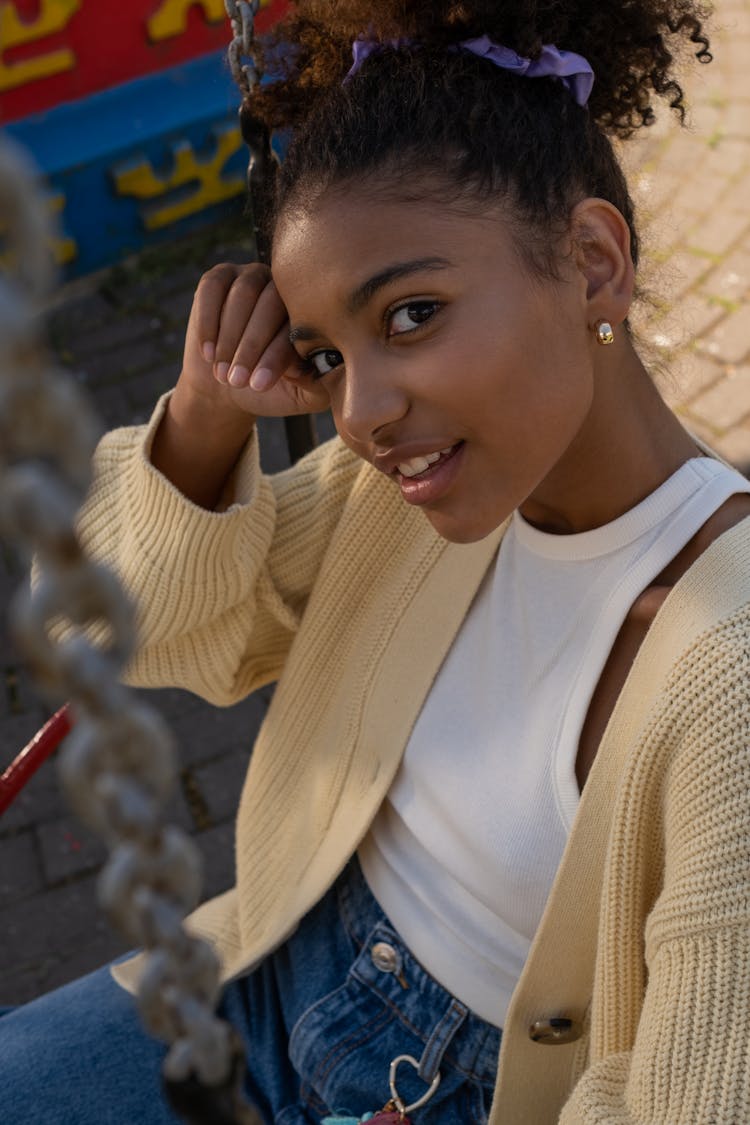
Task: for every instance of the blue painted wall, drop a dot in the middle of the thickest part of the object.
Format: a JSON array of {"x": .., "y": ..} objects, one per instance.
[{"x": 141, "y": 163}]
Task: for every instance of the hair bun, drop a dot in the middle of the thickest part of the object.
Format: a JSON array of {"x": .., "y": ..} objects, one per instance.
[{"x": 633, "y": 48}]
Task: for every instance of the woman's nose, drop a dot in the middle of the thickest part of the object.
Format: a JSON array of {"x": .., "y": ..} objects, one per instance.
[{"x": 372, "y": 398}]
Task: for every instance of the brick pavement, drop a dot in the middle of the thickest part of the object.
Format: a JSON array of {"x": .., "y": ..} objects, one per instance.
[
  {"x": 692, "y": 191},
  {"x": 121, "y": 332}
]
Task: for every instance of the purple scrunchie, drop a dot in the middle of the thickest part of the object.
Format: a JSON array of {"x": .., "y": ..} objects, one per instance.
[{"x": 572, "y": 70}]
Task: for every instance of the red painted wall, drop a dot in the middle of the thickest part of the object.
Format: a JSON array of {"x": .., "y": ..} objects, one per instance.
[{"x": 54, "y": 51}]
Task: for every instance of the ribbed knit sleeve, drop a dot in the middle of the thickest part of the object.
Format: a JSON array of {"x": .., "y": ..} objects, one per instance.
[
  {"x": 670, "y": 1044},
  {"x": 218, "y": 594}
]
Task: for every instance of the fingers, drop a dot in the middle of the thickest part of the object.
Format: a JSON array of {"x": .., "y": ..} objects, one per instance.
[
  {"x": 278, "y": 359},
  {"x": 293, "y": 393},
  {"x": 240, "y": 326},
  {"x": 252, "y": 327},
  {"x": 210, "y": 295},
  {"x": 263, "y": 351}
]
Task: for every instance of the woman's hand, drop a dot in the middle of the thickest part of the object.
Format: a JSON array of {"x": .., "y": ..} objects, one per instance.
[
  {"x": 238, "y": 327},
  {"x": 237, "y": 351}
]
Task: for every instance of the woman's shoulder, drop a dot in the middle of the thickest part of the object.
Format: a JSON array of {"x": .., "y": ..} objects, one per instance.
[
  {"x": 733, "y": 513},
  {"x": 711, "y": 613},
  {"x": 733, "y": 516},
  {"x": 716, "y": 569},
  {"x": 696, "y": 620}
]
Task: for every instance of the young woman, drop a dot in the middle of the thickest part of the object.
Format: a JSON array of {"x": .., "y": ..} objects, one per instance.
[{"x": 497, "y": 817}]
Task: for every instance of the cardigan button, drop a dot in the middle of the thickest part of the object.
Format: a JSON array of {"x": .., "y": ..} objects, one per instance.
[{"x": 554, "y": 1031}]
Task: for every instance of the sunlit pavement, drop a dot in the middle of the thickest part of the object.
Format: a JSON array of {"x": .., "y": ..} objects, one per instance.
[{"x": 692, "y": 191}]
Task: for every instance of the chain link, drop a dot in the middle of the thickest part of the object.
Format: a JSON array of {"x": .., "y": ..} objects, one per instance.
[
  {"x": 77, "y": 631},
  {"x": 242, "y": 14}
]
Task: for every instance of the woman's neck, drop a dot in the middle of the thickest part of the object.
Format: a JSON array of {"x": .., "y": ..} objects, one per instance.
[{"x": 630, "y": 443}]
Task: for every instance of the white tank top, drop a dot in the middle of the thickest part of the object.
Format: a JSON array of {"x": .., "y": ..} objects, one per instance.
[{"x": 464, "y": 849}]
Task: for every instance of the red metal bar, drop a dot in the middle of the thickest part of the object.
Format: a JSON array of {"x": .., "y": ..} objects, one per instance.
[{"x": 44, "y": 743}]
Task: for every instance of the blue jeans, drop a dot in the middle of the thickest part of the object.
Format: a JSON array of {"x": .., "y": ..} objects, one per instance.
[{"x": 322, "y": 1017}]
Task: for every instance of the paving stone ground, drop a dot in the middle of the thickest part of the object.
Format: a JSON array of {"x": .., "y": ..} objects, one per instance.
[
  {"x": 692, "y": 191},
  {"x": 121, "y": 334}
]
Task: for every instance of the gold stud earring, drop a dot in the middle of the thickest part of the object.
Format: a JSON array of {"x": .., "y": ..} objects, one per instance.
[{"x": 604, "y": 333}]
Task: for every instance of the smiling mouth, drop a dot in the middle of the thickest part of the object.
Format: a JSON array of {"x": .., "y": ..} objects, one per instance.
[{"x": 418, "y": 467}]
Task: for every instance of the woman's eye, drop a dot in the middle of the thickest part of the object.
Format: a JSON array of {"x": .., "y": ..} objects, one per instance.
[
  {"x": 320, "y": 363},
  {"x": 408, "y": 317}
]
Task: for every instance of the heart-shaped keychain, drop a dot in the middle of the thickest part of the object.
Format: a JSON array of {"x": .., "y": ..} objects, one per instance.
[{"x": 394, "y": 1112}]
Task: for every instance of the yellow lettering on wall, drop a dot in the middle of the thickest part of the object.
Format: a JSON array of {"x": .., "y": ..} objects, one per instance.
[
  {"x": 137, "y": 178},
  {"x": 64, "y": 248},
  {"x": 170, "y": 18},
  {"x": 53, "y": 16}
]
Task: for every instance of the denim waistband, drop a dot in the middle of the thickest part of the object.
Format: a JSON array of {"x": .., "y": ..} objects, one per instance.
[{"x": 430, "y": 1010}]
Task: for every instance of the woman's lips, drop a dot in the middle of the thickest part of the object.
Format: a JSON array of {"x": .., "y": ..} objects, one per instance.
[{"x": 430, "y": 485}]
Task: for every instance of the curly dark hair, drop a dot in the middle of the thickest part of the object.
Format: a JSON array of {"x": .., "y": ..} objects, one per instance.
[{"x": 424, "y": 110}]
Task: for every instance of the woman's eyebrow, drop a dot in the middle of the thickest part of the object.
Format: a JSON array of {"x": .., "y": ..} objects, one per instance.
[
  {"x": 367, "y": 290},
  {"x": 302, "y": 332}
]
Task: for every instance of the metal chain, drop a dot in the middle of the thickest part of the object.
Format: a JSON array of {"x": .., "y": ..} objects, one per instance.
[
  {"x": 261, "y": 170},
  {"x": 242, "y": 14},
  {"x": 119, "y": 764}
]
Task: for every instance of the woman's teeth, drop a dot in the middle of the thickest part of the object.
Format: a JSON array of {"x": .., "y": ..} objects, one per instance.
[{"x": 416, "y": 465}]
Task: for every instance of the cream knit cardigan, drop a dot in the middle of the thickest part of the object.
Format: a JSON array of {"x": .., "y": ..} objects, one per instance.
[{"x": 322, "y": 578}]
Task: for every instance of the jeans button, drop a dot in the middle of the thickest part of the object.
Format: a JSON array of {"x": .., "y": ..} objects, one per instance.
[{"x": 385, "y": 957}]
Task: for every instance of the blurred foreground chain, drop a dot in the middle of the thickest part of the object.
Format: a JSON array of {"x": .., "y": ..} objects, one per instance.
[{"x": 118, "y": 766}]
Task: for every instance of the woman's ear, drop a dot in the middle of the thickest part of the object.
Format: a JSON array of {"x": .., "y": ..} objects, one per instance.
[{"x": 601, "y": 245}]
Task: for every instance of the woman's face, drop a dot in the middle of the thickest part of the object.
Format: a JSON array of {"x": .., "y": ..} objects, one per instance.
[{"x": 448, "y": 366}]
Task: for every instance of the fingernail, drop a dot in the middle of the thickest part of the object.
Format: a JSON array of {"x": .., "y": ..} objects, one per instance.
[
  {"x": 208, "y": 351},
  {"x": 221, "y": 372},
  {"x": 262, "y": 378},
  {"x": 239, "y": 375}
]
